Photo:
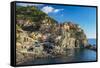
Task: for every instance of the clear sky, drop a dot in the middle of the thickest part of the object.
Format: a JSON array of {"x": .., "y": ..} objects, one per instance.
[{"x": 84, "y": 16}]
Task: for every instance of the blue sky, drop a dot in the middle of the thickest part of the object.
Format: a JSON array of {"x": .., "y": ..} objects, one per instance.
[{"x": 84, "y": 16}]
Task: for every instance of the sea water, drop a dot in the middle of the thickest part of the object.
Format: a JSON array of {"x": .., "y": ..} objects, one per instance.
[
  {"x": 92, "y": 41},
  {"x": 76, "y": 55}
]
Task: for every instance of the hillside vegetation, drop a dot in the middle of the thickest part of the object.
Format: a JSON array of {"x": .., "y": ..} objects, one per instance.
[{"x": 40, "y": 36}]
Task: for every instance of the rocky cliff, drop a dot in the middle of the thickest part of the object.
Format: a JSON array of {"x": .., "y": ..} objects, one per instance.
[{"x": 38, "y": 35}]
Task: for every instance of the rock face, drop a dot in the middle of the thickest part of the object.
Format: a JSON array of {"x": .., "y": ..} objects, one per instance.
[
  {"x": 73, "y": 37},
  {"x": 38, "y": 35}
]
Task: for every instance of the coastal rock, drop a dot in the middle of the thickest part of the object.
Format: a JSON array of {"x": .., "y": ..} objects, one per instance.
[
  {"x": 91, "y": 47},
  {"x": 38, "y": 35}
]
